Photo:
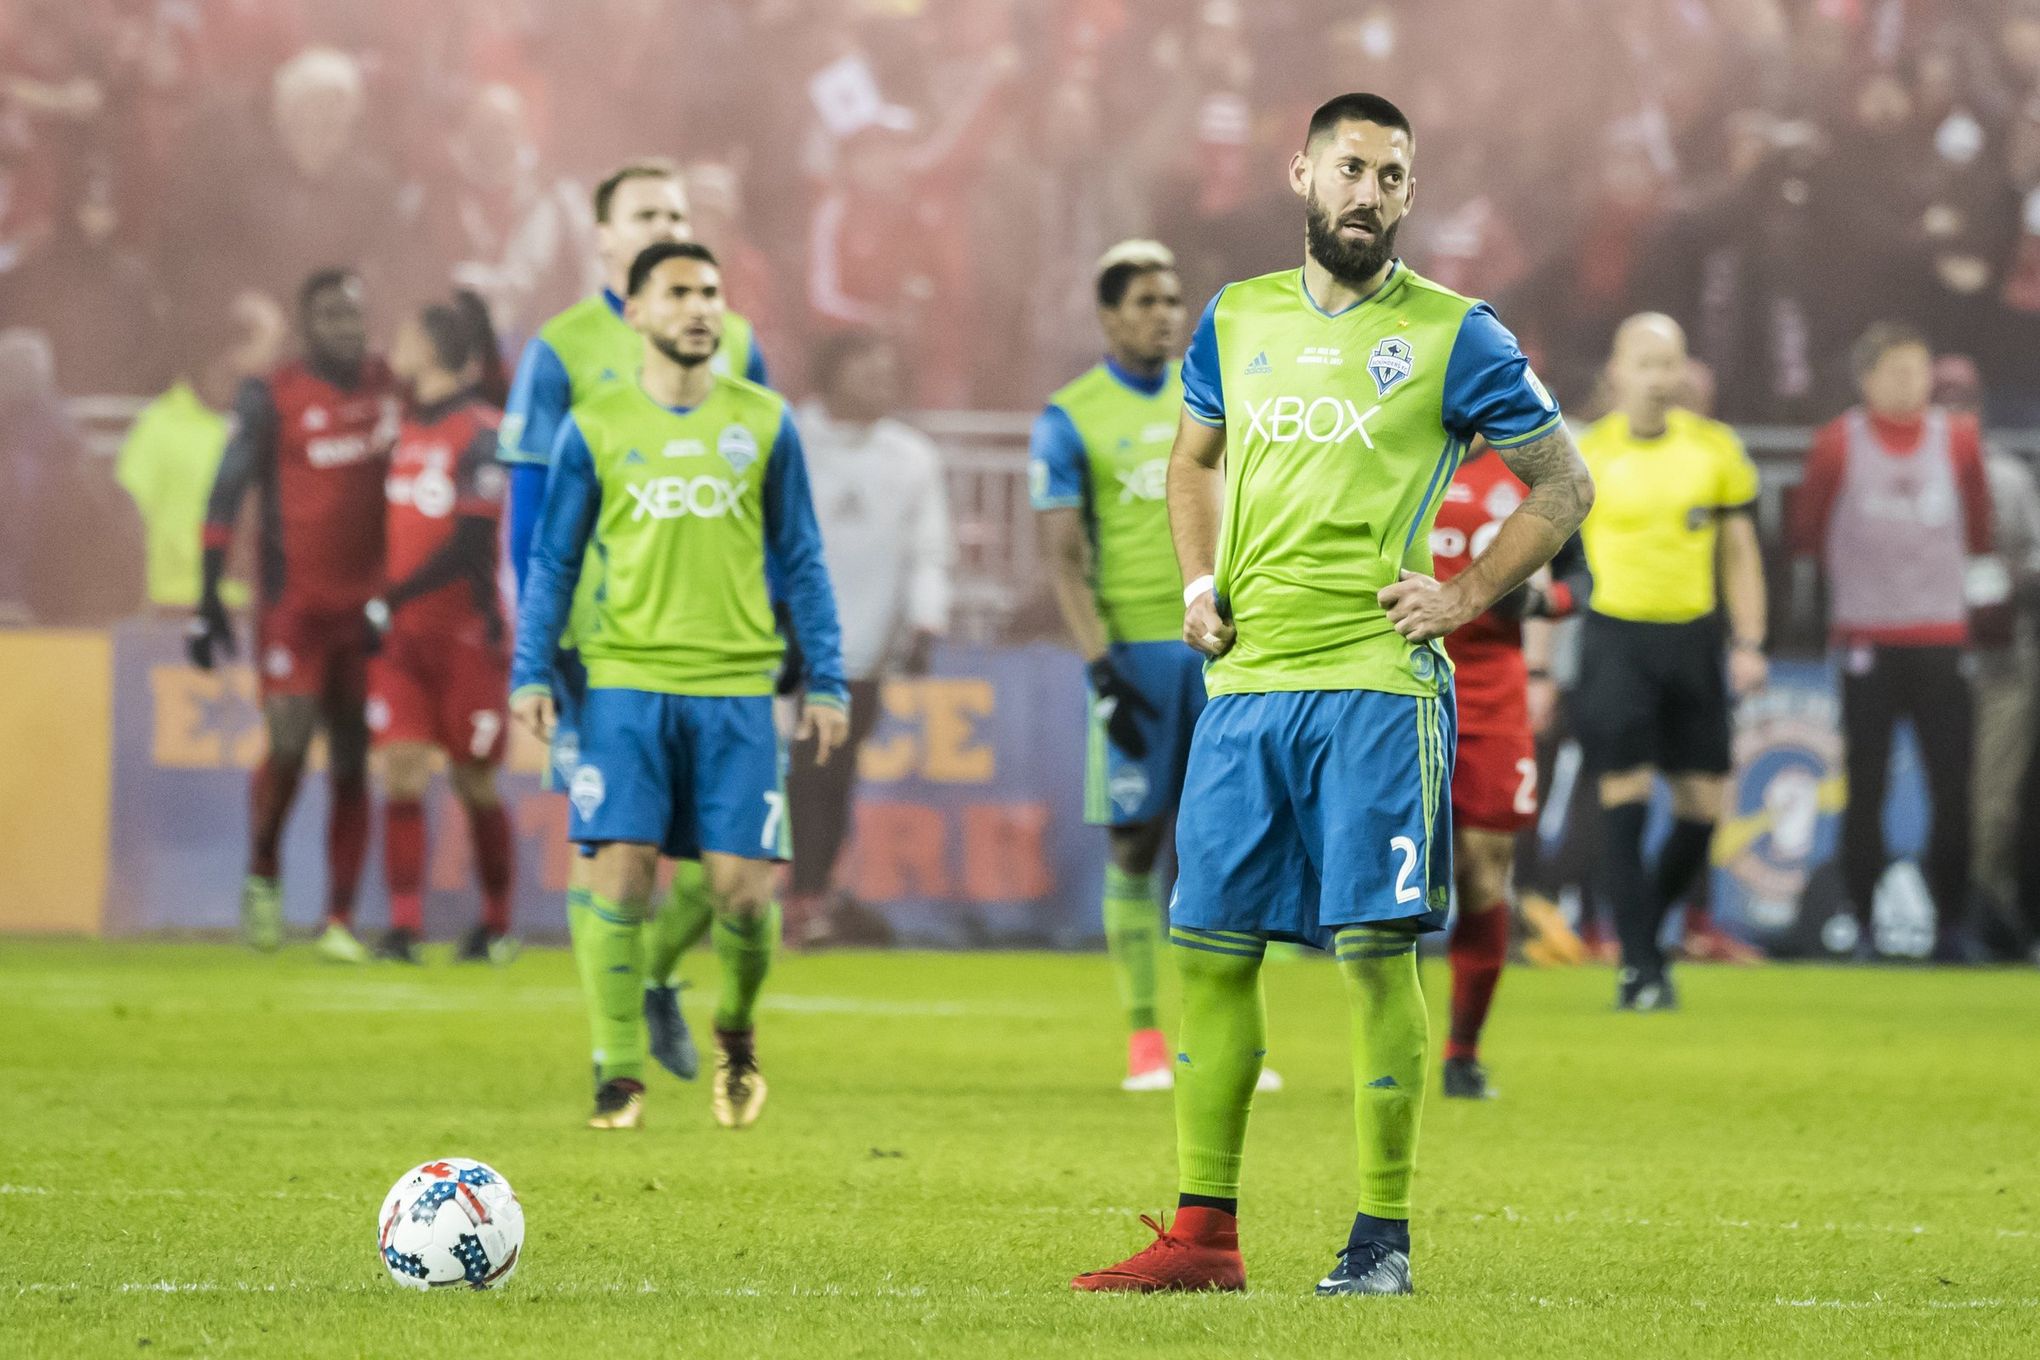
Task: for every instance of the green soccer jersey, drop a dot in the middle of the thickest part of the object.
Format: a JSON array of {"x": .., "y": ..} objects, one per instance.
[
  {"x": 580, "y": 352},
  {"x": 683, "y": 510},
  {"x": 1102, "y": 445},
  {"x": 1341, "y": 433}
]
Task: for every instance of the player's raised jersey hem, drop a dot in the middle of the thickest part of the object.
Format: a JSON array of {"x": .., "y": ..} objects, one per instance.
[
  {"x": 614, "y": 675},
  {"x": 1325, "y": 684}
]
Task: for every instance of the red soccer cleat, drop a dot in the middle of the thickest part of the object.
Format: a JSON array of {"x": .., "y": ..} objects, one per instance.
[
  {"x": 1200, "y": 1250},
  {"x": 1713, "y": 945}
]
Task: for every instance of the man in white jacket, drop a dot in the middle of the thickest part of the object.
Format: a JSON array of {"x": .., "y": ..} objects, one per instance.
[{"x": 878, "y": 491}]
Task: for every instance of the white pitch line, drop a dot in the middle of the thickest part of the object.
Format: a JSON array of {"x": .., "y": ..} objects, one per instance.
[
  {"x": 162, "y": 1192},
  {"x": 412, "y": 998}
]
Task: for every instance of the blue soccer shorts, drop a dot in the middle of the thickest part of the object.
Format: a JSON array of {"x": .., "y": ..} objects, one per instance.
[
  {"x": 684, "y": 772},
  {"x": 1126, "y": 790},
  {"x": 1307, "y": 811}
]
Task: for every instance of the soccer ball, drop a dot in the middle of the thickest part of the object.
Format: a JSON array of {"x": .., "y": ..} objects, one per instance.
[{"x": 450, "y": 1222}]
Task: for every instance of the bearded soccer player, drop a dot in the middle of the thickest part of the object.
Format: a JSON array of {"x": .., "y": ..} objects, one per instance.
[
  {"x": 1501, "y": 684},
  {"x": 313, "y": 439},
  {"x": 1324, "y": 411},
  {"x": 695, "y": 486},
  {"x": 1098, "y": 466},
  {"x": 442, "y": 670},
  {"x": 583, "y": 350}
]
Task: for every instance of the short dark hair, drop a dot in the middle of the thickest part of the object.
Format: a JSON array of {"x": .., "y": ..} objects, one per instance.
[
  {"x": 1879, "y": 339},
  {"x": 657, "y": 253},
  {"x": 651, "y": 167},
  {"x": 321, "y": 280},
  {"x": 1356, "y": 108},
  {"x": 1127, "y": 261},
  {"x": 834, "y": 351},
  {"x": 460, "y": 330}
]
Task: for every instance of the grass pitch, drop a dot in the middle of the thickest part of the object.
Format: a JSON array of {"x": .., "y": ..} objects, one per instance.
[{"x": 194, "y": 1141}]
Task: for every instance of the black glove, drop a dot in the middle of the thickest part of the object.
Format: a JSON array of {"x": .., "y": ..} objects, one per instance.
[
  {"x": 1122, "y": 703},
  {"x": 209, "y": 633},
  {"x": 375, "y": 624}
]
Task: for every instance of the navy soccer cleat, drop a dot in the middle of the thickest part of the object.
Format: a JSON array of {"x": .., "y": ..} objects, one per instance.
[
  {"x": 1369, "y": 1268},
  {"x": 666, "y": 1033}
]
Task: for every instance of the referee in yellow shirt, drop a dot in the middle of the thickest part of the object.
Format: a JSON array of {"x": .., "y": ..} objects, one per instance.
[{"x": 1672, "y": 514}]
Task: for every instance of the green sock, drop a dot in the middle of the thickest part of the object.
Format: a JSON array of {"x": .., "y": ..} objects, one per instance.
[
  {"x": 1390, "y": 1032},
  {"x": 745, "y": 951},
  {"x": 608, "y": 950},
  {"x": 1133, "y": 941},
  {"x": 1224, "y": 1038},
  {"x": 683, "y": 918}
]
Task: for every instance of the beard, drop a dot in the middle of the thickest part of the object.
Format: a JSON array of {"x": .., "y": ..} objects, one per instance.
[
  {"x": 1343, "y": 260},
  {"x": 671, "y": 349}
]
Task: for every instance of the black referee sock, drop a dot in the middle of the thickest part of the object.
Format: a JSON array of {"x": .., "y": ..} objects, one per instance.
[
  {"x": 1630, "y": 891},
  {"x": 1681, "y": 861}
]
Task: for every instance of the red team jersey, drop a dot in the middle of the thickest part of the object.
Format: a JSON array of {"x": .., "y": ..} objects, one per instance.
[
  {"x": 443, "y": 675},
  {"x": 443, "y": 469},
  {"x": 316, "y": 453},
  {"x": 1489, "y": 675},
  {"x": 322, "y": 546},
  {"x": 1494, "y": 779}
]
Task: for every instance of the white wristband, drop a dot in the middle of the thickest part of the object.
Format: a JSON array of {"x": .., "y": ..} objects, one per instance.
[{"x": 1201, "y": 586}]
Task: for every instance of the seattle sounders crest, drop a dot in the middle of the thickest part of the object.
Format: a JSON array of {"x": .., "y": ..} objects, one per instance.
[{"x": 1390, "y": 363}]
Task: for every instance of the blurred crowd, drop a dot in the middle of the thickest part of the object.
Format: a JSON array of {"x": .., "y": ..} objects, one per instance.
[
  {"x": 1770, "y": 171},
  {"x": 941, "y": 174}
]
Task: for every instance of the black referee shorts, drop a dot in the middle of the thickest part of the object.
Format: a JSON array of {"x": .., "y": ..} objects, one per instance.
[{"x": 1652, "y": 694}]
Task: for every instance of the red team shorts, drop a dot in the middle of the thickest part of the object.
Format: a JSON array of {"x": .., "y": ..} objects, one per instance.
[
  {"x": 449, "y": 693},
  {"x": 1494, "y": 780},
  {"x": 320, "y": 653}
]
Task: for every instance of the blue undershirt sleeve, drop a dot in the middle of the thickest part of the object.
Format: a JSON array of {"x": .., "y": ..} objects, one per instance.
[
  {"x": 793, "y": 546},
  {"x": 1055, "y": 461},
  {"x": 572, "y": 498}
]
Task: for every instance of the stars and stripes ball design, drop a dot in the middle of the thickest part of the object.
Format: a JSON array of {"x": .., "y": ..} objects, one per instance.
[{"x": 451, "y": 1222}]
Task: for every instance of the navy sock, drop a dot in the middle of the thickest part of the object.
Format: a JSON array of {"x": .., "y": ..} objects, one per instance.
[
  {"x": 1393, "y": 1233},
  {"x": 1219, "y": 1202}
]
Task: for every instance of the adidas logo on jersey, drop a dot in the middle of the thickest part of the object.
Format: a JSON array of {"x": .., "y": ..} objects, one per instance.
[
  {"x": 633, "y": 459},
  {"x": 1260, "y": 365}
]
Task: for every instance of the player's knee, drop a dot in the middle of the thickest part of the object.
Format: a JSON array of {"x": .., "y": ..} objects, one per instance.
[
  {"x": 1698, "y": 797},
  {"x": 623, "y": 873},
  {"x": 1627, "y": 786},
  {"x": 1482, "y": 887},
  {"x": 290, "y": 726},
  {"x": 742, "y": 889},
  {"x": 1136, "y": 848},
  {"x": 406, "y": 770},
  {"x": 474, "y": 783}
]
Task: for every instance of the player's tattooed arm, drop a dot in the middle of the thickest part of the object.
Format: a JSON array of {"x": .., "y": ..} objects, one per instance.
[
  {"x": 1561, "y": 490},
  {"x": 1561, "y": 493}
]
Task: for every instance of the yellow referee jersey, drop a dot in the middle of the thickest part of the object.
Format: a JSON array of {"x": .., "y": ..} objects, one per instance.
[{"x": 1657, "y": 506}]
